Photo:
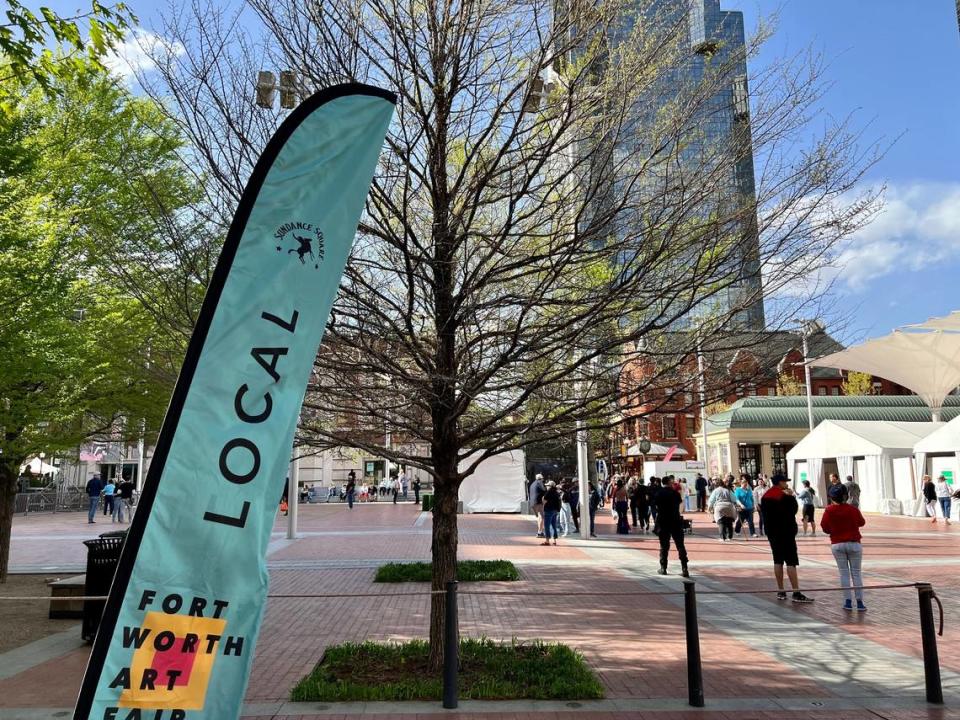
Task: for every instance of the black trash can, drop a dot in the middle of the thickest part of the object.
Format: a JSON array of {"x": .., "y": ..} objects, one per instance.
[{"x": 103, "y": 555}]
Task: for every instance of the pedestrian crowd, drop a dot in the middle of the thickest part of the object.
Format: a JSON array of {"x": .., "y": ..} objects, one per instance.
[{"x": 745, "y": 508}]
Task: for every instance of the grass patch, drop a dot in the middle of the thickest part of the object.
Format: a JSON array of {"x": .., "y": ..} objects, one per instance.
[
  {"x": 488, "y": 671},
  {"x": 467, "y": 571}
]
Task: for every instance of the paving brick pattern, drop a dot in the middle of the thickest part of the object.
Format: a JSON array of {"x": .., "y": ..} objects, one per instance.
[{"x": 634, "y": 642}]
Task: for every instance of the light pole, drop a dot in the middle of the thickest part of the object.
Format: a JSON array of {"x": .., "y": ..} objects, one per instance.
[
  {"x": 804, "y": 334},
  {"x": 703, "y": 408}
]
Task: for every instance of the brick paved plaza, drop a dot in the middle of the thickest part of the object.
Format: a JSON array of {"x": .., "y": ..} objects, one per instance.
[{"x": 762, "y": 659}]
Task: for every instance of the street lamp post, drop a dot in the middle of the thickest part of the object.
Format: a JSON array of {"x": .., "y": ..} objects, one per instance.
[
  {"x": 804, "y": 334},
  {"x": 703, "y": 409}
]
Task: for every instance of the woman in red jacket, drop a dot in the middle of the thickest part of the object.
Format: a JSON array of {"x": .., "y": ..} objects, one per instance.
[{"x": 842, "y": 522}]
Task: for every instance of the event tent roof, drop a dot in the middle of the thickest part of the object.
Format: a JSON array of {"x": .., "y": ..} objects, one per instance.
[
  {"x": 924, "y": 358},
  {"x": 851, "y": 438},
  {"x": 791, "y": 411},
  {"x": 944, "y": 440},
  {"x": 655, "y": 449}
]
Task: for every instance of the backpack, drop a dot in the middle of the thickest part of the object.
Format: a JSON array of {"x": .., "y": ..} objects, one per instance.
[{"x": 540, "y": 493}]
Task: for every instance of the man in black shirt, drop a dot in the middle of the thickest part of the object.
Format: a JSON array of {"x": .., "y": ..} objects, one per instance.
[
  {"x": 125, "y": 491},
  {"x": 701, "y": 486},
  {"x": 670, "y": 525},
  {"x": 779, "y": 508}
]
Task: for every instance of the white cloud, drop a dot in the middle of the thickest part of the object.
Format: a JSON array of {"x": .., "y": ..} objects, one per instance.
[
  {"x": 137, "y": 52},
  {"x": 918, "y": 226}
]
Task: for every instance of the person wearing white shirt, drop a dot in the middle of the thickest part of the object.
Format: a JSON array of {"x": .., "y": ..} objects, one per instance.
[{"x": 943, "y": 496}]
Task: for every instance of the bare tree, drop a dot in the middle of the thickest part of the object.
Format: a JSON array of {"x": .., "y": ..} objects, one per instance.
[{"x": 548, "y": 210}]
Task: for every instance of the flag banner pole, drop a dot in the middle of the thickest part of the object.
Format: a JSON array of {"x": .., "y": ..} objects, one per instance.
[{"x": 177, "y": 635}]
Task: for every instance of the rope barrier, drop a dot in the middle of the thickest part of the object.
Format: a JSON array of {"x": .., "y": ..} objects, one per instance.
[{"x": 589, "y": 593}]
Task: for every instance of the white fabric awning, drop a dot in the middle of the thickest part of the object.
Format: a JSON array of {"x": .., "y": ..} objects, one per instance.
[
  {"x": 39, "y": 467},
  {"x": 655, "y": 449},
  {"x": 944, "y": 440},
  {"x": 855, "y": 438},
  {"x": 925, "y": 359}
]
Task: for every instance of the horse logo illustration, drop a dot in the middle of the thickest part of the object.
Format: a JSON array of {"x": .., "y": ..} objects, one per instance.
[{"x": 303, "y": 235}]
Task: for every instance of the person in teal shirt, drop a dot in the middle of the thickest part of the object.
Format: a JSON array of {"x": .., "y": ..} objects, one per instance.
[{"x": 745, "y": 505}]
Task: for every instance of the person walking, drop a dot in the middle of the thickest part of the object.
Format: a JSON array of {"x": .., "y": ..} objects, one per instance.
[
  {"x": 124, "y": 501},
  {"x": 593, "y": 503},
  {"x": 853, "y": 491},
  {"x": 404, "y": 483},
  {"x": 94, "y": 488},
  {"x": 552, "y": 503},
  {"x": 779, "y": 508},
  {"x": 566, "y": 512},
  {"x": 416, "y": 490},
  {"x": 396, "y": 487},
  {"x": 108, "y": 496},
  {"x": 632, "y": 487},
  {"x": 700, "y": 484},
  {"x": 762, "y": 486},
  {"x": 930, "y": 497},
  {"x": 641, "y": 496},
  {"x": 723, "y": 506},
  {"x": 620, "y": 507},
  {"x": 351, "y": 488},
  {"x": 842, "y": 522},
  {"x": 833, "y": 479},
  {"x": 575, "y": 505},
  {"x": 743, "y": 496},
  {"x": 943, "y": 497},
  {"x": 807, "y": 497},
  {"x": 670, "y": 527},
  {"x": 535, "y": 500}
]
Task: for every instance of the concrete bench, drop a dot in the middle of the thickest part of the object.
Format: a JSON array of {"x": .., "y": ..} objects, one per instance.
[{"x": 67, "y": 587}]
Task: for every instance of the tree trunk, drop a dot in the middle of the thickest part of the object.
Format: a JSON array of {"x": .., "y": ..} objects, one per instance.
[
  {"x": 8, "y": 491},
  {"x": 444, "y": 553}
]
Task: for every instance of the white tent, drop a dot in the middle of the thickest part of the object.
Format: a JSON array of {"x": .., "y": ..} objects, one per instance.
[
  {"x": 498, "y": 485},
  {"x": 656, "y": 449},
  {"x": 867, "y": 450},
  {"x": 924, "y": 358},
  {"x": 937, "y": 454},
  {"x": 39, "y": 467}
]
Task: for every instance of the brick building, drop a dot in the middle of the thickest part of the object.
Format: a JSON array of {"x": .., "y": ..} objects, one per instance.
[{"x": 667, "y": 412}]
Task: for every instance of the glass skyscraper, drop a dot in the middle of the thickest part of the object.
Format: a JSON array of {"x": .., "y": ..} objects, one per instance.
[{"x": 707, "y": 50}]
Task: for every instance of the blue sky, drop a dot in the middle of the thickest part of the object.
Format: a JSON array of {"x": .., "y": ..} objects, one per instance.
[{"x": 896, "y": 65}]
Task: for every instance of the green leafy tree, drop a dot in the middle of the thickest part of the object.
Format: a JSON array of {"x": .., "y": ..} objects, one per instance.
[
  {"x": 858, "y": 383},
  {"x": 43, "y": 46},
  {"x": 83, "y": 177},
  {"x": 787, "y": 384}
]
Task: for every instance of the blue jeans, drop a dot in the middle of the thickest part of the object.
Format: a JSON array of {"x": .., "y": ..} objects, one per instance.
[
  {"x": 350, "y": 499},
  {"x": 94, "y": 504},
  {"x": 945, "y": 503},
  {"x": 849, "y": 557},
  {"x": 551, "y": 523}
]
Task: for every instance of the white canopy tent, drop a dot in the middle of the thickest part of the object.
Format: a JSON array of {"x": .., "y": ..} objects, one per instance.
[
  {"x": 655, "y": 449},
  {"x": 497, "y": 485},
  {"x": 937, "y": 454},
  {"x": 924, "y": 358},
  {"x": 39, "y": 467},
  {"x": 865, "y": 449}
]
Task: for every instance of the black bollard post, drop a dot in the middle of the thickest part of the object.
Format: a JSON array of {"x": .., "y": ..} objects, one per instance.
[
  {"x": 451, "y": 649},
  {"x": 928, "y": 634},
  {"x": 694, "y": 669}
]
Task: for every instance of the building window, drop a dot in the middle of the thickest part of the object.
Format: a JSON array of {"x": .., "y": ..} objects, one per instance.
[
  {"x": 643, "y": 428},
  {"x": 835, "y": 391},
  {"x": 778, "y": 454},
  {"x": 877, "y": 388},
  {"x": 669, "y": 427},
  {"x": 821, "y": 391},
  {"x": 688, "y": 399},
  {"x": 691, "y": 426}
]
